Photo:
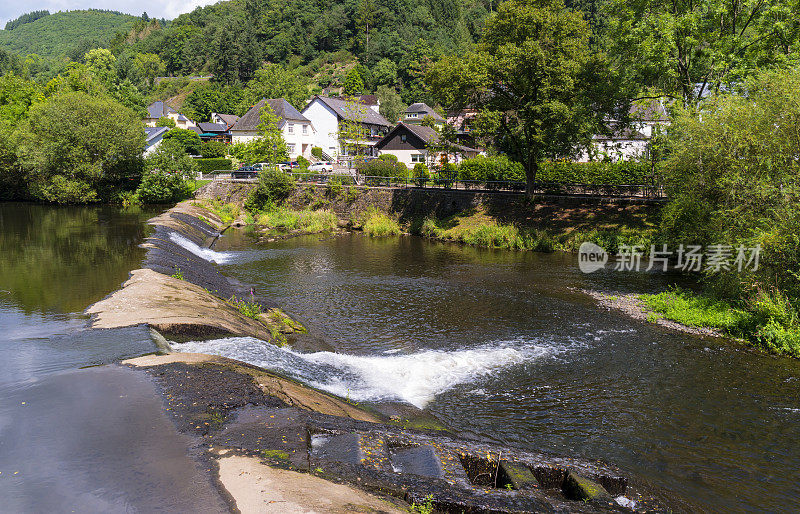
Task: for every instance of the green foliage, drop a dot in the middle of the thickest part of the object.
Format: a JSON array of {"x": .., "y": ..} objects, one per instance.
[
  {"x": 26, "y": 18},
  {"x": 674, "y": 46},
  {"x": 310, "y": 221},
  {"x": 75, "y": 145},
  {"x": 383, "y": 168},
  {"x": 534, "y": 70},
  {"x": 273, "y": 187},
  {"x": 392, "y": 105},
  {"x": 69, "y": 33},
  {"x": 209, "y": 165},
  {"x": 603, "y": 172},
  {"x": 316, "y": 152},
  {"x": 426, "y": 507},
  {"x": 276, "y": 81},
  {"x": 250, "y": 309},
  {"x": 378, "y": 224},
  {"x": 353, "y": 83},
  {"x": 209, "y": 97},
  {"x": 213, "y": 149},
  {"x": 695, "y": 311},
  {"x": 486, "y": 169},
  {"x": 165, "y": 121},
  {"x": 189, "y": 140},
  {"x": 166, "y": 172}
]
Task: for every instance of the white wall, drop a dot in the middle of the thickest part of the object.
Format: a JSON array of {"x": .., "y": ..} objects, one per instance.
[
  {"x": 326, "y": 127},
  {"x": 404, "y": 156},
  {"x": 302, "y": 142},
  {"x": 243, "y": 136}
]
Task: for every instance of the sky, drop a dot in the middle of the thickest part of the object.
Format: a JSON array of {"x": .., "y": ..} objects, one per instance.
[{"x": 168, "y": 9}]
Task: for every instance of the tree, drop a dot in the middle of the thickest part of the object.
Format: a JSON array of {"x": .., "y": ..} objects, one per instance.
[
  {"x": 534, "y": 74},
  {"x": 391, "y": 104},
  {"x": 685, "y": 48},
  {"x": 101, "y": 61},
  {"x": 275, "y": 81},
  {"x": 352, "y": 132},
  {"x": 165, "y": 121},
  {"x": 366, "y": 16},
  {"x": 149, "y": 66},
  {"x": 76, "y": 148},
  {"x": 187, "y": 139},
  {"x": 269, "y": 146},
  {"x": 353, "y": 83},
  {"x": 384, "y": 73},
  {"x": 166, "y": 171}
]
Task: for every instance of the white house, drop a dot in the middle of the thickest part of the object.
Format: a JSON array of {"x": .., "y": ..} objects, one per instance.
[
  {"x": 159, "y": 109},
  {"x": 631, "y": 142},
  {"x": 153, "y": 137},
  {"x": 298, "y": 132},
  {"x": 417, "y": 112},
  {"x": 327, "y": 114}
]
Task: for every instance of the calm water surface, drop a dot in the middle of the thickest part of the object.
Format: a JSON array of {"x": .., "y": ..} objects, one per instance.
[{"x": 504, "y": 345}]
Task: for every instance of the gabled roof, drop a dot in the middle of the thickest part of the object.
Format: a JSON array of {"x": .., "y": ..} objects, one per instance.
[
  {"x": 344, "y": 110},
  {"x": 230, "y": 119},
  {"x": 426, "y": 134},
  {"x": 652, "y": 110},
  {"x": 282, "y": 109},
  {"x": 159, "y": 109},
  {"x": 425, "y": 109},
  {"x": 152, "y": 133},
  {"x": 212, "y": 127}
]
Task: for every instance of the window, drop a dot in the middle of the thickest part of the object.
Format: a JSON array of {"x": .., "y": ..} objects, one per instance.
[
  {"x": 290, "y": 147},
  {"x": 417, "y": 157},
  {"x": 411, "y": 115},
  {"x": 291, "y": 128},
  {"x": 305, "y": 128},
  {"x": 403, "y": 137}
]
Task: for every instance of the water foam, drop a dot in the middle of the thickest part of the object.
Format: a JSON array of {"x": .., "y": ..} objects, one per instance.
[
  {"x": 204, "y": 253},
  {"x": 415, "y": 378}
]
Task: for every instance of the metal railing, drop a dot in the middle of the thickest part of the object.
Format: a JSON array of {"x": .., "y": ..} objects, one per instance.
[{"x": 652, "y": 190}]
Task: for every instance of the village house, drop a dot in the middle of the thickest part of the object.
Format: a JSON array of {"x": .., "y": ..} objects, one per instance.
[
  {"x": 296, "y": 129},
  {"x": 329, "y": 114},
  {"x": 409, "y": 143},
  {"x": 214, "y": 132},
  {"x": 153, "y": 137},
  {"x": 631, "y": 142},
  {"x": 159, "y": 109},
  {"x": 417, "y": 112},
  {"x": 228, "y": 119}
]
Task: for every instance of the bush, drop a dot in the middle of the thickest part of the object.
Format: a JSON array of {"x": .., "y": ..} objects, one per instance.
[
  {"x": 63, "y": 190},
  {"x": 601, "y": 172},
  {"x": 209, "y": 165},
  {"x": 388, "y": 157},
  {"x": 273, "y": 187},
  {"x": 303, "y": 162},
  {"x": 213, "y": 149},
  {"x": 316, "y": 152},
  {"x": 378, "y": 224},
  {"x": 188, "y": 139},
  {"x": 165, "y": 122},
  {"x": 488, "y": 169},
  {"x": 383, "y": 168},
  {"x": 158, "y": 187}
]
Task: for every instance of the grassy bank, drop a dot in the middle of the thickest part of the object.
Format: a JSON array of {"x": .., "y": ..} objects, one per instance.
[
  {"x": 768, "y": 321},
  {"x": 480, "y": 228}
]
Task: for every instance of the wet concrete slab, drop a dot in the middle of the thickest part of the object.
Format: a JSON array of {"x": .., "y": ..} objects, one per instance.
[{"x": 96, "y": 440}]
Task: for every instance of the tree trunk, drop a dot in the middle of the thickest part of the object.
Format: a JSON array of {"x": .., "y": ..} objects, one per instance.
[{"x": 531, "y": 171}]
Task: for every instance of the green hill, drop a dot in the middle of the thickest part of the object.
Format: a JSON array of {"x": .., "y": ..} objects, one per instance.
[{"x": 65, "y": 33}]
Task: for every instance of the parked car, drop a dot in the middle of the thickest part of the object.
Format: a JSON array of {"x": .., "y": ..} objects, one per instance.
[
  {"x": 321, "y": 167},
  {"x": 246, "y": 172},
  {"x": 284, "y": 166}
]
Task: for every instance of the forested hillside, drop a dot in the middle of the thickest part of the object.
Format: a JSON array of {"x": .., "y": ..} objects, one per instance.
[{"x": 64, "y": 33}]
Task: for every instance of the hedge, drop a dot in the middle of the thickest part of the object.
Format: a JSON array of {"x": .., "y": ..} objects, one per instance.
[
  {"x": 501, "y": 168},
  {"x": 209, "y": 165}
]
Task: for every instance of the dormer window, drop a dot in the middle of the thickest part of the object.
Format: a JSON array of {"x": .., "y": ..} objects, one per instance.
[{"x": 411, "y": 115}]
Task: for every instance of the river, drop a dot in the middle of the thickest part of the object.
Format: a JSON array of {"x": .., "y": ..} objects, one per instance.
[{"x": 502, "y": 345}]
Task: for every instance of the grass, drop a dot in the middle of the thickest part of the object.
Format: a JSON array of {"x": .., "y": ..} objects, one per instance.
[
  {"x": 426, "y": 507},
  {"x": 246, "y": 308},
  {"x": 309, "y": 221},
  {"x": 378, "y": 224},
  {"x": 227, "y": 212},
  {"x": 693, "y": 310},
  {"x": 194, "y": 185},
  {"x": 178, "y": 274}
]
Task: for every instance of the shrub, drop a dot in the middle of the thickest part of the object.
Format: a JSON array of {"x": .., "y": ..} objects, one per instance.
[
  {"x": 165, "y": 122},
  {"x": 303, "y": 162},
  {"x": 316, "y": 152},
  {"x": 188, "y": 139},
  {"x": 487, "y": 169},
  {"x": 388, "y": 157},
  {"x": 378, "y": 224},
  {"x": 63, "y": 190},
  {"x": 383, "y": 168},
  {"x": 600, "y": 172},
  {"x": 209, "y": 165},
  {"x": 420, "y": 173},
  {"x": 307, "y": 220},
  {"x": 273, "y": 187},
  {"x": 213, "y": 149},
  {"x": 160, "y": 187}
]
